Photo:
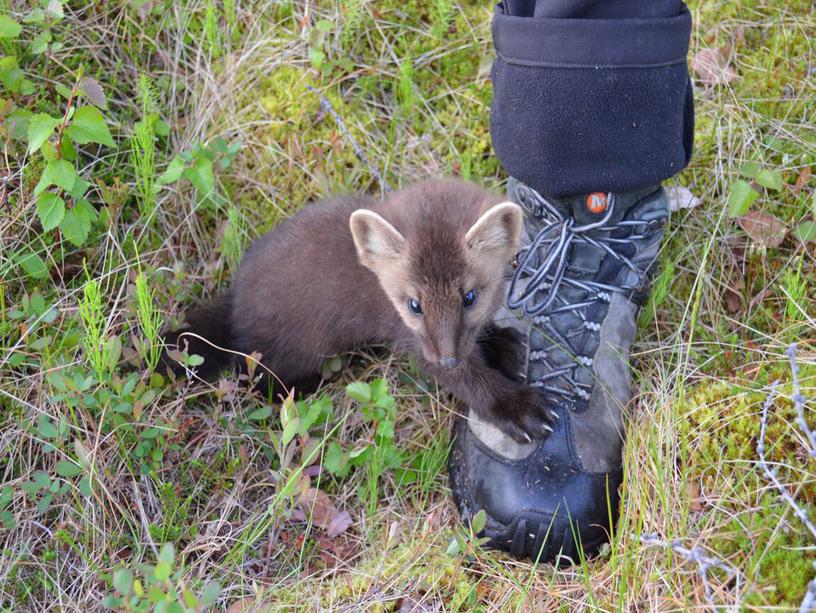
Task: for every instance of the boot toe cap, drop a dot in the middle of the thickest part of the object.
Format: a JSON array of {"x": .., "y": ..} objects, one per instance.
[{"x": 542, "y": 506}]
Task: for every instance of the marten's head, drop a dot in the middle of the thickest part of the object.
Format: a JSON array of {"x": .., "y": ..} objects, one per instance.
[{"x": 444, "y": 271}]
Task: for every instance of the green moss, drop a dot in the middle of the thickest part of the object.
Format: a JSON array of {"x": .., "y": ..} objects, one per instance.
[{"x": 753, "y": 527}]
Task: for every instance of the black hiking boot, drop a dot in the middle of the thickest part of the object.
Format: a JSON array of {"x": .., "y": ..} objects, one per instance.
[{"x": 575, "y": 291}]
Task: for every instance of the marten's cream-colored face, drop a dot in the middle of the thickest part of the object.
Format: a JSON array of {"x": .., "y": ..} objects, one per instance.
[{"x": 448, "y": 288}]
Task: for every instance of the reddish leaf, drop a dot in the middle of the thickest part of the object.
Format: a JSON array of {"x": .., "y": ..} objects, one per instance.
[
  {"x": 316, "y": 504},
  {"x": 763, "y": 228},
  {"x": 712, "y": 67},
  {"x": 804, "y": 176}
]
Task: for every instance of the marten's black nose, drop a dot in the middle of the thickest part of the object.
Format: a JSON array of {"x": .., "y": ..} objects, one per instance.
[{"x": 448, "y": 362}]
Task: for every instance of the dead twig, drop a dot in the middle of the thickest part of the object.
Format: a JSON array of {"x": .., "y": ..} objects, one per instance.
[
  {"x": 328, "y": 108},
  {"x": 704, "y": 564}
]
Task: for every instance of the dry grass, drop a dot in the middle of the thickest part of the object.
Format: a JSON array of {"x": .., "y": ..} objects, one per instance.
[{"x": 226, "y": 495}]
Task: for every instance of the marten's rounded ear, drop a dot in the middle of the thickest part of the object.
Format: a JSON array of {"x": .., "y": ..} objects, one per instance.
[
  {"x": 374, "y": 237},
  {"x": 498, "y": 228}
]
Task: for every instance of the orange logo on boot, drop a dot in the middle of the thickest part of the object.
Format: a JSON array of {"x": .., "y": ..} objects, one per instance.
[{"x": 596, "y": 203}]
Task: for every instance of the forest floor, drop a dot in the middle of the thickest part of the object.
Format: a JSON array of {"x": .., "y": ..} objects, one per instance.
[{"x": 147, "y": 143}]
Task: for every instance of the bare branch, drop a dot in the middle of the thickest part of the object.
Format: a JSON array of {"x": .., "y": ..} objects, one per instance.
[
  {"x": 704, "y": 564},
  {"x": 328, "y": 108}
]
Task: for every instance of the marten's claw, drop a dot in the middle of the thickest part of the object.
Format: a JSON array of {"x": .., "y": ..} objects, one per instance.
[{"x": 525, "y": 416}]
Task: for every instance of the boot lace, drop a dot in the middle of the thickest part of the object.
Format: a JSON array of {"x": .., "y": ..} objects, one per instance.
[{"x": 542, "y": 272}]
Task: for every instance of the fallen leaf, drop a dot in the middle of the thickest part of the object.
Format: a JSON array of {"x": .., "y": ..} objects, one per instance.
[
  {"x": 804, "y": 176},
  {"x": 733, "y": 300},
  {"x": 693, "y": 492},
  {"x": 763, "y": 228},
  {"x": 339, "y": 524},
  {"x": 712, "y": 66},
  {"x": 394, "y": 534},
  {"x": 681, "y": 198},
  {"x": 317, "y": 505}
]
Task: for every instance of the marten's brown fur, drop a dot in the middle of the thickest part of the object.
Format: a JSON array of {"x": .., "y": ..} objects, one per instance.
[{"x": 343, "y": 273}]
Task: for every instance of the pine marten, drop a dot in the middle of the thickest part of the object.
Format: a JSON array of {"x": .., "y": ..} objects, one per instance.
[{"x": 421, "y": 271}]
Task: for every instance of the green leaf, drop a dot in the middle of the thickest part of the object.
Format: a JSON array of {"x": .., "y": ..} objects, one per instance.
[
  {"x": 385, "y": 429},
  {"x": 42, "y": 479},
  {"x": 210, "y": 594},
  {"x": 5, "y": 496},
  {"x": 336, "y": 461},
  {"x": 290, "y": 429},
  {"x": 33, "y": 265},
  {"x": 194, "y": 360},
  {"x": 770, "y": 179},
  {"x": 167, "y": 553},
  {"x": 85, "y": 210},
  {"x": 200, "y": 174},
  {"x": 65, "y": 92},
  {"x": 17, "y": 121},
  {"x": 379, "y": 390},
  {"x": 36, "y": 15},
  {"x": 163, "y": 570},
  {"x": 453, "y": 548},
  {"x": 805, "y": 231},
  {"x": 173, "y": 171},
  {"x": 62, "y": 173},
  {"x": 75, "y": 228},
  {"x": 316, "y": 57},
  {"x": 80, "y": 187},
  {"x": 46, "y": 428},
  {"x": 85, "y": 487},
  {"x": 88, "y": 126},
  {"x": 359, "y": 391},
  {"x": 260, "y": 414},
  {"x": 40, "y": 127},
  {"x": 740, "y": 198},
  {"x": 51, "y": 209},
  {"x": 123, "y": 581},
  {"x": 479, "y": 521},
  {"x": 40, "y": 42},
  {"x": 45, "y": 503},
  {"x": 68, "y": 469},
  {"x": 9, "y": 28},
  {"x": 749, "y": 169},
  {"x": 162, "y": 129}
]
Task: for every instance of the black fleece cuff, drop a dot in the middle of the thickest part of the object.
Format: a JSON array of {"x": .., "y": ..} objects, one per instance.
[{"x": 583, "y": 105}]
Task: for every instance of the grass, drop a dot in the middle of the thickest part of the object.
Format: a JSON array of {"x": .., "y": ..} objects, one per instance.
[{"x": 104, "y": 464}]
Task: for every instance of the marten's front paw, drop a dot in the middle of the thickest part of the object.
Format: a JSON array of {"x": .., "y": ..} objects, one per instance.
[{"x": 525, "y": 415}]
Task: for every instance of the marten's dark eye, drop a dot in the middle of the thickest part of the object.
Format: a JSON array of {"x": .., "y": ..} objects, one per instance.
[
  {"x": 469, "y": 299},
  {"x": 415, "y": 307}
]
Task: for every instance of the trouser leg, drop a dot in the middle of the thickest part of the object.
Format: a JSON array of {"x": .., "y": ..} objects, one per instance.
[{"x": 591, "y": 95}]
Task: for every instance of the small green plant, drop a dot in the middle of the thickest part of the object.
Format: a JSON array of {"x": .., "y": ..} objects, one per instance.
[
  {"x": 233, "y": 240},
  {"x": 466, "y": 541},
  {"x": 378, "y": 407},
  {"x": 795, "y": 286},
  {"x": 743, "y": 192},
  {"x": 211, "y": 28},
  {"x": 60, "y": 192},
  {"x": 150, "y": 323},
  {"x": 441, "y": 15},
  {"x": 161, "y": 586},
  {"x": 99, "y": 348},
  {"x": 405, "y": 88},
  {"x": 198, "y": 167},
  {"x": 354, "y": 13}
]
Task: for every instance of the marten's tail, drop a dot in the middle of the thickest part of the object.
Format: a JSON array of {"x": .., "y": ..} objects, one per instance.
[{"x": 206, "y": 332}]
